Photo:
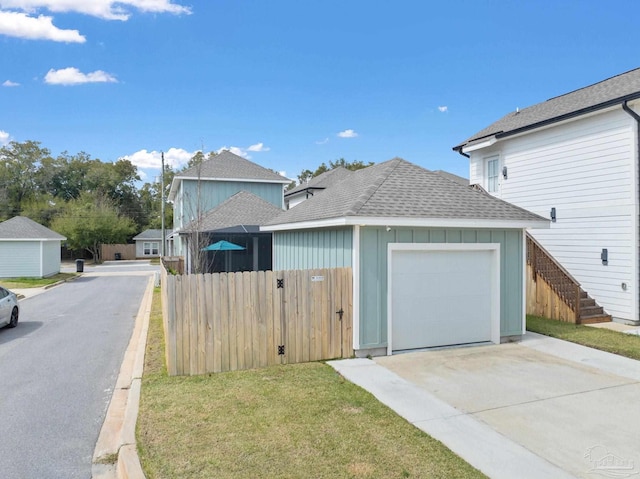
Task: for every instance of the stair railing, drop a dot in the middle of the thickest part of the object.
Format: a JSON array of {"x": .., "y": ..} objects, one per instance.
[{"x": 558, "y": 278}]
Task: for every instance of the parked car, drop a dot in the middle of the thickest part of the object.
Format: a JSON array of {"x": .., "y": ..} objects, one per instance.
[{"x": 9, "y": 308}]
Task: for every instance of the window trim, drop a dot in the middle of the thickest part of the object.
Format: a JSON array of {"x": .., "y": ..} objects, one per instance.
[{"x": 488, "y": 161}]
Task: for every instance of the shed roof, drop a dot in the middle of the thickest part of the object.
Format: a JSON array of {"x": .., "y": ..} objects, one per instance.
[
  {"x": 241, "y": 209},
  {"x": 23, "y": 228},
  {"x": 401, "y": 190},
  {"x": 609, "y": 92},
  {"x": 150, "y": 234}
]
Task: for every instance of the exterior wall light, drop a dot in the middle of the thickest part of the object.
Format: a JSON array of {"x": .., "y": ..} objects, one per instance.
[
  {"x": 504, "y": 172},
  {"x": 553, "y": 215}
]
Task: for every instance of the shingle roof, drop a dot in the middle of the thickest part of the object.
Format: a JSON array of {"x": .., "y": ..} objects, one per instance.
[
  {"x": 22, "y": 228},
  {"x": 609, "y": 92},
  {"x": 226, "y": 165},
  {"x": 321, "y": 181},
  {"x": 450, "y": 176},
  {"x": 149, "y": 235},
  {"x": 399, "y": 189},
  {"x": 243, "y": 208}
]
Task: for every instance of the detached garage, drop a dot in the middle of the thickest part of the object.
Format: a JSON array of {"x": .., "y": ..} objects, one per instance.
[
  {"x": 28, "y": 249},
  {"x": 435, "y": 262}
]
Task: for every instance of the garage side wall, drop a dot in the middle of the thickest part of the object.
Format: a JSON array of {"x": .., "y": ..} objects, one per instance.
[
  {"x": 373, "y": 274},
  {"x": 309, "y": 249},
  {"x": 19, "y": 259},
  {"x": 50, "y": 258}
]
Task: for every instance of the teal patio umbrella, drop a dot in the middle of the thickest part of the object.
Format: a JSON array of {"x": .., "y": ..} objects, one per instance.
[{"x": 223, "y": 246}]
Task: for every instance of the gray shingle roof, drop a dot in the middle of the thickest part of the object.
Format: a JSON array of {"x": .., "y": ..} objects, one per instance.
[
  {"x": 149, "y": 235},
  {"x": 226, "y": 165},
  {"x": 20, "y": 227},
  {"x": 321, "y": 181},
  {"x": 450, "y": 176},
  {"x": 611, "y": 91},
  {"x": 399, "y": 189},
  {"x": 243, "y": 208}
]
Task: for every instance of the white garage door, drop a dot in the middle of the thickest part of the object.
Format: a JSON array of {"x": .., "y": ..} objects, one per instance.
[{"x": 443, "y": 295}]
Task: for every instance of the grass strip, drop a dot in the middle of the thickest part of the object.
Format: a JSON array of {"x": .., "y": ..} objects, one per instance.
[
  {"x": 19, "y": 283},
  {"x": 627, "y": 345},
  {"x": 291, "y": 421}
]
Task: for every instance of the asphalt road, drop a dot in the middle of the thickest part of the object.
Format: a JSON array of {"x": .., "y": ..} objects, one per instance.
[{"x": 58, "y": 369}]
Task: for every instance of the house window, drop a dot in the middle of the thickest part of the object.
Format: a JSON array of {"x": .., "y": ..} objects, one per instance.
[
  {"x": 493, "y": 166},
  {"x": 150, "y": 248}
]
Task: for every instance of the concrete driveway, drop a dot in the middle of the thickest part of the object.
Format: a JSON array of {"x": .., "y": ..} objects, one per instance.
[{"x": 538, "y": 408}]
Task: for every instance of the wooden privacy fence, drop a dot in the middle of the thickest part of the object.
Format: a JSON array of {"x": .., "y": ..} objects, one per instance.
[
  {"x": 231, "y": 321},
  {"x": 126, "y": 251}
]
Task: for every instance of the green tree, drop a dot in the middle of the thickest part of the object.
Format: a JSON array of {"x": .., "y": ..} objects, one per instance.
[
  {"x": 19, "y": 163},
  {"x": 88, "y": 222},
  {"x": 306, "y": 175},
  {"x": 151, "y": 199}
]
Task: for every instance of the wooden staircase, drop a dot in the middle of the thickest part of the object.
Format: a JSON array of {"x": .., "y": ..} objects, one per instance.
[{"x": 578, "y": 307}]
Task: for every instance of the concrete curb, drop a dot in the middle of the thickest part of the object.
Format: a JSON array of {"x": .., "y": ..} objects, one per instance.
[{"x": 117, "y": 437}]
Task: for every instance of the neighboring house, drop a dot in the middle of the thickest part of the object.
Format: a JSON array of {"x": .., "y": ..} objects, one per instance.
[
  {"x": 574, "y": 158},
  {"x": 148, "y": 244},
  {"x": 238, "y": 221},
  {"x": 315, "y": 185},
  {"x": 434, "y": 262},
  {"x": 201, "y": 188},
  {"x": 28, "y": 249}
]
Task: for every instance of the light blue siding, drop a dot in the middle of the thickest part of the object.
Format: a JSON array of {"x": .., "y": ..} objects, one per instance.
[
  {"x": 50, "y": 258},
  {"x": 308, "y": 249},
  {"x": 373, "y": 274},
  {"x": 19, "y": 258},
  {"x": 212, "y": 193}
]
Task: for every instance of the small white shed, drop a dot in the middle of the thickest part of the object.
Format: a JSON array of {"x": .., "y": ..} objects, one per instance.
[{"x": 28, "y": 249}]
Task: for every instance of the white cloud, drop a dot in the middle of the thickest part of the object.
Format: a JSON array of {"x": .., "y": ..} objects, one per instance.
[
  {"x": 73, "y": 76},
  {"x": 347, "y": 134},
  {"x": 105, "y": 9},
  {"x": 258, "y": 147},
  {"x": 236, "y": 150},
  {"x": 443, "y": 109},
  {"x": 174, "y": 157},
  {"x": 20, "y": 25},
  {"x": 10, "y": 83},
  {"x": 4, "y": 137},
  {"x": 323, "y": 142}
]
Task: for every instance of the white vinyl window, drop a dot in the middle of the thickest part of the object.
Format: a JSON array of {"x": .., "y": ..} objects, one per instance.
[
  {"x": 150, "y": 248},
  {"x": 493, "y": 167}
]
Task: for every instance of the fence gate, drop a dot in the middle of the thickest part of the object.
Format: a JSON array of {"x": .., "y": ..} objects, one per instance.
[{"x": 230, "y": 321}]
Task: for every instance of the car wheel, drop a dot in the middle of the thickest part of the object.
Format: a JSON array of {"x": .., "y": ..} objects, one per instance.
[{"x": 13, "y": 322}]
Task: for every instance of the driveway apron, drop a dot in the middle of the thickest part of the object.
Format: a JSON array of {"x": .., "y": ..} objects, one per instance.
[{"x": 549, "y": 407}]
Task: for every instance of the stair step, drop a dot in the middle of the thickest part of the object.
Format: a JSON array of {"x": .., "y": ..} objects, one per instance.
[
  {"x": 595, "y": 318},
  {"x": 591, "y": 310},
  {"x": 587, "y": 302}
]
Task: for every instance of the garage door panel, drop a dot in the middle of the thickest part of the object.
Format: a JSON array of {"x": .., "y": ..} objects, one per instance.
[{"x": 441, "y": 297}]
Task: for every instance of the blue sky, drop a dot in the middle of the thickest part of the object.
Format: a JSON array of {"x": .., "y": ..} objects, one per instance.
[{"x": 292, "y": 84}]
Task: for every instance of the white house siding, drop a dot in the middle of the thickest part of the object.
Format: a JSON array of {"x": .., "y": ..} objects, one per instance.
[
  {"x": 50, "y": 258},
  {"x": 585, "y": 170},
  {"x": 19, "y": 258}
]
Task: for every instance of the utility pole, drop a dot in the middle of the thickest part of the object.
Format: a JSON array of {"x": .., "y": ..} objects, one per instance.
[{"x": 163, "y": 252}]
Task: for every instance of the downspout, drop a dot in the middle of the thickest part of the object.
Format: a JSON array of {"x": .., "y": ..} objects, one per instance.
[
  {"x": 636, "y": 117},
  {"x": 459, "y": 150}
]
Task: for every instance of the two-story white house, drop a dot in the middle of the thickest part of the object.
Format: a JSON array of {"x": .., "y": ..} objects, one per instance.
[{"x": 574, "y": 159}]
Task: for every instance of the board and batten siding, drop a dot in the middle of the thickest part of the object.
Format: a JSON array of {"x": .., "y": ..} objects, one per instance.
[
  {"x": 373, "y": 274},
  {"x": 585, "y": 170},
  {"x": 310, "y": 249},
  {"x": 19, "y": 258},
  {"x": 50, "y": 258}
]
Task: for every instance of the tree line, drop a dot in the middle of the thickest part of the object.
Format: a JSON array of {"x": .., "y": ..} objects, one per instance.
[{"x": 83, "y": 198}]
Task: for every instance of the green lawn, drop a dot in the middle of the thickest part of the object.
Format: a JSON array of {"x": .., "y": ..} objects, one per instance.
[
  {"x": 294, "y": 421},
  {"x": 598, "y": 338},
  {"x": 18, "y": 283}
]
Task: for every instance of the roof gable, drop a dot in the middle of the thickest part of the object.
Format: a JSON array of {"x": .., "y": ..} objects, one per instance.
[
  {"x": 609, "y": 92},
  {"x": 243, "y": 208},
  {"x": 23, "y": 228},
  {"x": 399, "y": 189},
  {"x": 150, "y": 234},
  {"x": 321, "y": 181}
]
